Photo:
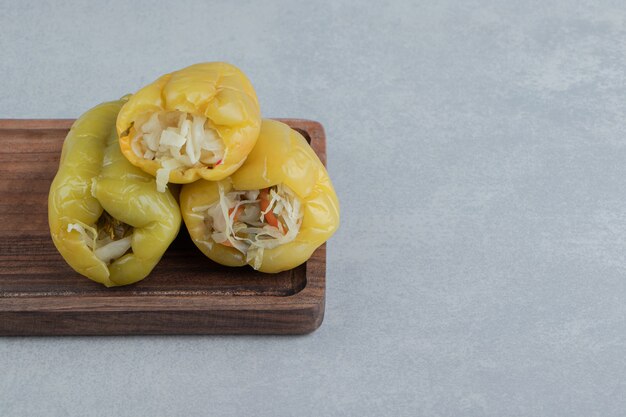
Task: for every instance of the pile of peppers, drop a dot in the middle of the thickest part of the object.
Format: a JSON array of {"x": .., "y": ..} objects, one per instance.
[{"x": 112, "y": 224}]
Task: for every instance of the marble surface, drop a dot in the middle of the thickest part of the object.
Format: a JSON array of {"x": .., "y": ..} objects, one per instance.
[{"x": 478, "y": 151}]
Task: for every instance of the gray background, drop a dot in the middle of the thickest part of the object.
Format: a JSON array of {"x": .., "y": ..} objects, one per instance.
[{"x": 479, "y": 155}]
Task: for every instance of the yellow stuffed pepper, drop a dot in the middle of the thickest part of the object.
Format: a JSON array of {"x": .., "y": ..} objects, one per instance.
[
  {"x": 198, "y": 122},
  {"x": 272, "y": 213},
  {"x": 106, "y": 218}
]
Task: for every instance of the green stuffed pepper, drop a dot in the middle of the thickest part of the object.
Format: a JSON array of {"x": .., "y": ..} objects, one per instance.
[{"x": 106, "y": 217}]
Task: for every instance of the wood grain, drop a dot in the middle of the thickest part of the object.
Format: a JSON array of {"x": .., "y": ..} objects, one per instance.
[{"x": 186, "y": 293}]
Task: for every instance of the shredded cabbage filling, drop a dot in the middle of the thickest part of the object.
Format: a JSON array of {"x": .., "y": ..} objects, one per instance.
[
  {"x": 177, "y": 140},
  {"x": 252, "y": 221},
  {"x": 109, "y": 239}
]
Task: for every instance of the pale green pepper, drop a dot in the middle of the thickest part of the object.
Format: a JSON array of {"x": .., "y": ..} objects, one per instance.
[{"x": 106, "y": 217}]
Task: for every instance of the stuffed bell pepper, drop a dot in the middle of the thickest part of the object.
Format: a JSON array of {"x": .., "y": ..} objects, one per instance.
[
  {"x": 198, "y": 122},
  {"x": 106, "y": 218},
  {"x": 272, "y": 213}
]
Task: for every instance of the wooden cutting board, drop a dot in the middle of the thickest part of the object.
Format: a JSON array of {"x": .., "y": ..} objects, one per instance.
[{"x": 185, "y": 294}]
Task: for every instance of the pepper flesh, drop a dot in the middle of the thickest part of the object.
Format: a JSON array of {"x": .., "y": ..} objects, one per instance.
[
  {"x": 281, "y": 156},
  {"x": 215, "y": 90},
  {"x": 96, "y": 186}
]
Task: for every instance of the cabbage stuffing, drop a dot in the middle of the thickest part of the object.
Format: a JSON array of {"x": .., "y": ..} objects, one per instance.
[
  {"x": 109, "y": 239},
  {"x": 178, "y": 140},
  {"x": 254, "y": 220}
]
